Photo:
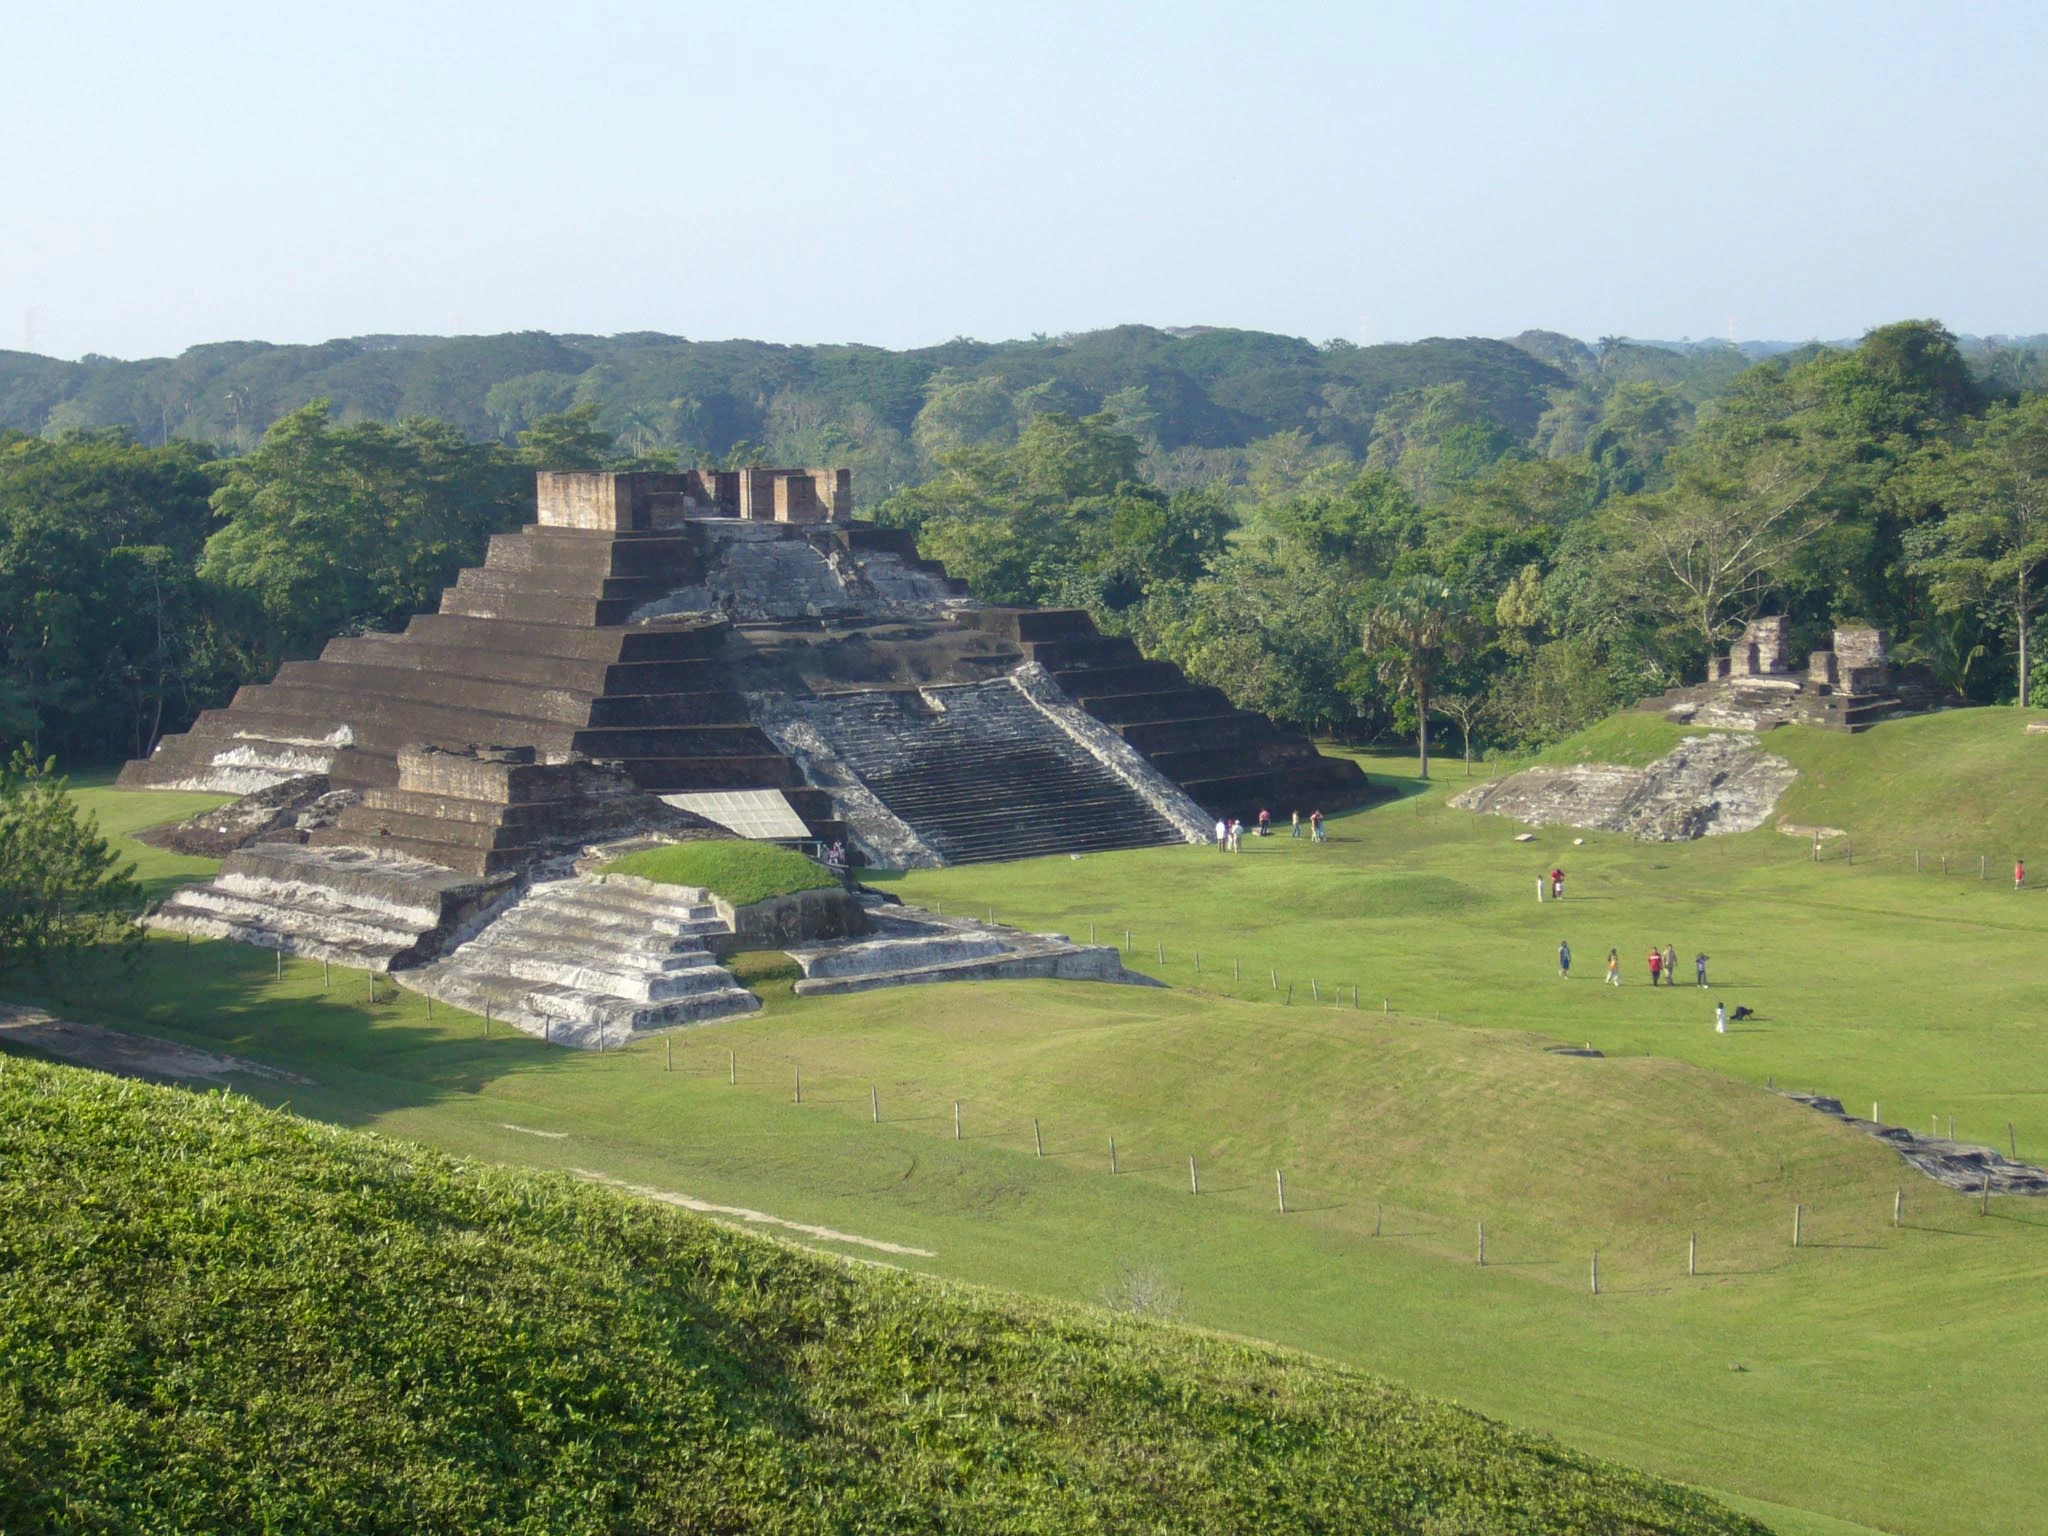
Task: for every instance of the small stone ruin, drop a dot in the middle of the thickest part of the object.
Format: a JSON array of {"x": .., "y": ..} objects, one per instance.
[{"x": 1759, "y": 684}]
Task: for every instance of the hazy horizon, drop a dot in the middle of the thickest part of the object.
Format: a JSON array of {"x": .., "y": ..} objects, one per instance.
[{"x": 809, "y": 175}]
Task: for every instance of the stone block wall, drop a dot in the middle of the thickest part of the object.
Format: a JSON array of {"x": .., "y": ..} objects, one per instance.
[
  {"x": 1764, "y": 649},
  {"x": 1862, "y": 647},
  {"x": 608, "y": 502}
]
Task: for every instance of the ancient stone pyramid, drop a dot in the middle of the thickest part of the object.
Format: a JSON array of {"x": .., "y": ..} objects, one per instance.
[{"x": 736, "y": 632}]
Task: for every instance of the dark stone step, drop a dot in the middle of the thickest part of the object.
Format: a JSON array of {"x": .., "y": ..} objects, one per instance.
[
  {"x": 1237, "y": 731},
  {"x": 697, "y": 741},
  {"x": 676, "y": 775},
  {"x": 542, "y": 608},
  {"x": 1028, "y": 624},
  {"x": 343, "y": 681},
  {"x": 1088, "y": 684},
  {"x": 628, "y": 643},
  {"x": 659, "y": 709},
  {"x": 1082, "y": 652},
  {"x": 1190, "y": 703}
]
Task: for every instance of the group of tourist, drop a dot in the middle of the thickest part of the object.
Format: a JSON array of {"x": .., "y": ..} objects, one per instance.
[
  {"x": 1230, "y": 833},
  {"x": 1663, "y": 965}
]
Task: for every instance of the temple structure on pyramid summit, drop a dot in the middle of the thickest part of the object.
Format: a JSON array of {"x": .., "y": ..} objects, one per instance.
[{"x": 704, "y": 654}]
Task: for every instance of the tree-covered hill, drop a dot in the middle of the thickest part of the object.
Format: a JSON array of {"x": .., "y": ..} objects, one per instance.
[
  {"x": 1203, "y": 386},
  {"x": 216, "y": 1317}
]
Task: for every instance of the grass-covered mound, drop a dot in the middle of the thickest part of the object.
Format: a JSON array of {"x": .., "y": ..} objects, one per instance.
[
  {"x": 741, "y": 872},
  {"x": 217, "y": 1317}
]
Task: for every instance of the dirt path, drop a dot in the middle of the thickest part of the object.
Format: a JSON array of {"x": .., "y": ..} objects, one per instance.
[
  {"x": 758, "y": 1218},
  {"x": 125, "y": 1055}
]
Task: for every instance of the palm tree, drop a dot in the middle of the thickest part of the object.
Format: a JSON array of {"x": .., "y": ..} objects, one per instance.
[{"x": 1414, "y": 630}]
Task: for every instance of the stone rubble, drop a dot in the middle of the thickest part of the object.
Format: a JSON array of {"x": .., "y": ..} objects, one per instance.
[{"x": 1707, "y": 786}]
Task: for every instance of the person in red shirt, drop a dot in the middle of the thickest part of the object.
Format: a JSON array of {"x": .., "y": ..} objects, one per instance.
[
  {"x": 1656, "y": 966},
  {"x": 2019, "y": 874},
  {"x": 1557, "y": 885}
]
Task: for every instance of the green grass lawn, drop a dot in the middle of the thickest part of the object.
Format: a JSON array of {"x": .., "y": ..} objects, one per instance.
[
  {"x": 1804, "y": 1381},
  {"x": 742, "y": 872},
  {"x": 215, "y": 1317}
]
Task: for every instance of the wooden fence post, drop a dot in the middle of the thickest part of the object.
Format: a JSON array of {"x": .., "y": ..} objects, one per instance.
[
  {"x": 799, "y": 1085},
  {"x": 1037, "y": 1136},
  {"x": 1898, "y": 1208},
  {"x": 1596, "y": 1271},
  {"x": 1482, "y": 1245},
  {"x": 875, "y": 1102},
  {"x": 1112, "y": 1154},
  {"x": 1280, "y": 1183},
  {"x": 1194, "y": 1177},
  {"x": 1692, "y": 1253},
  {"x": 1798, "y": 1221},
  {"x": 956, "y": 1120}
]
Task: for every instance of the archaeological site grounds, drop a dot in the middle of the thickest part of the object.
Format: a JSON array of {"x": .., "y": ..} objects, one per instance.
[{"x": 1095, "y": 1158}]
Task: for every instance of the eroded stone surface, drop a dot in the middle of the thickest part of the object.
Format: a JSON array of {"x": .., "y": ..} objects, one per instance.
[
  {"x": 912, "y": 946},
  {"x": 1958, "y": 1165},
  {"x": 1707, "y": 786},
  {"x": 590, "y": 961}
]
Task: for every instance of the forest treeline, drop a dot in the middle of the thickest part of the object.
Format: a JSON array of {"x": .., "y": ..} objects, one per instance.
[{"x": 1510, "y": 539}]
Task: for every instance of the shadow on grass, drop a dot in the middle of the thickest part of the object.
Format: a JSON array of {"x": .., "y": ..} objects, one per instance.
[{"x": 364, "y": 1058}]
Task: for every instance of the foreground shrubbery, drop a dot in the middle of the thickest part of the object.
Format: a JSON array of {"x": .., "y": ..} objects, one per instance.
[
  {"x": 742, "y": 872},
  {"x": 215, "y": 1317}
]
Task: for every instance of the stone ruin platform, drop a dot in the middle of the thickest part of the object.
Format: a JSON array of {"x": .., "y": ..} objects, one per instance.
[
  {"x": 912, "y": 946},
  {"x": 709, "y": 638},
  {"x": 650, "y": 623},
  {"x": 1757, "y": 686}
]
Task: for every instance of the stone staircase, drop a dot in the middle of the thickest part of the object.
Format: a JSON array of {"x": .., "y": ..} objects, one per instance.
[
  {"x": 348, "y": 905},
  {"x": 591, "y": 961},
  {"x": 1230, "y": 761},
  {"x": 979, "y": 773}
]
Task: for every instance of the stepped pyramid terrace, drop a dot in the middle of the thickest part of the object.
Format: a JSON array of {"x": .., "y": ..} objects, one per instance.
[
  {"x": 715, "y": 636},
  {"x": 667, "y": 657}
]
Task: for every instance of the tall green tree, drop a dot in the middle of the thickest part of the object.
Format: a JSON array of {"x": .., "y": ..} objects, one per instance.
[
  {"x": 1414, "y": 632},
  {"x": 326, "y": 528},
  {"x": 1988, "y": 548}
]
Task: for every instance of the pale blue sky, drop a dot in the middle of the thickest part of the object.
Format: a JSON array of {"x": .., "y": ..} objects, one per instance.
[{"x": 904, "y": 173}]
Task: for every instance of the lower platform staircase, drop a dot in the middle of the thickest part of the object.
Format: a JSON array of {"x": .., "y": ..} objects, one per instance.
[{"x": 590, "y": 961}]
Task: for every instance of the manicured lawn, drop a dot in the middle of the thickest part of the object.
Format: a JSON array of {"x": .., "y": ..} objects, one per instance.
[
  {"x": 742, "y": 872},
  {"x": 1808, "y": 1379}
]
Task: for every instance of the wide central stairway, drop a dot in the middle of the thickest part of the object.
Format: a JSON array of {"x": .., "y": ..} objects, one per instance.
[
  {"x": 980, "y": 773},
  {"x": 590, "y": 960}
]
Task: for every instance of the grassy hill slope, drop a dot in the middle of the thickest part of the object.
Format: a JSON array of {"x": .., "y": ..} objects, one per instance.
[{"x": 214, "y": 1316}]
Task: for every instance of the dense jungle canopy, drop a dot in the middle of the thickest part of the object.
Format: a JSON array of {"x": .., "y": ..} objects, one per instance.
[{"x": 1528, "y": 533}]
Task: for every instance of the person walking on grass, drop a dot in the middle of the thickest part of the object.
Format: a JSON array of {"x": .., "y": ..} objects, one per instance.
[
  {"x": 1656, "y": 965},
  {"x": 1315, "y": 825},
  {"x": 1699, "y": 968},
  {"x": 1265, "y": 820},
  {"x": 1557, "y": 885},
  {"x": 2019, "y": 874},
  {"x": 1670, "y": 966},
  {"x": 1613, "y": 968},
  {"x": 1564, "y": 960},
  {"x": 1222, "y": 836},
  {"x": 1720, "y": 1018},
  {"x": 1295, "y": 818}
]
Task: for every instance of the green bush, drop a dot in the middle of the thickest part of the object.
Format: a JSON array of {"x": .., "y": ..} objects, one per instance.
[
  {"x": 741, "y": 872},
  {"x": 218, "y": 1317}
]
